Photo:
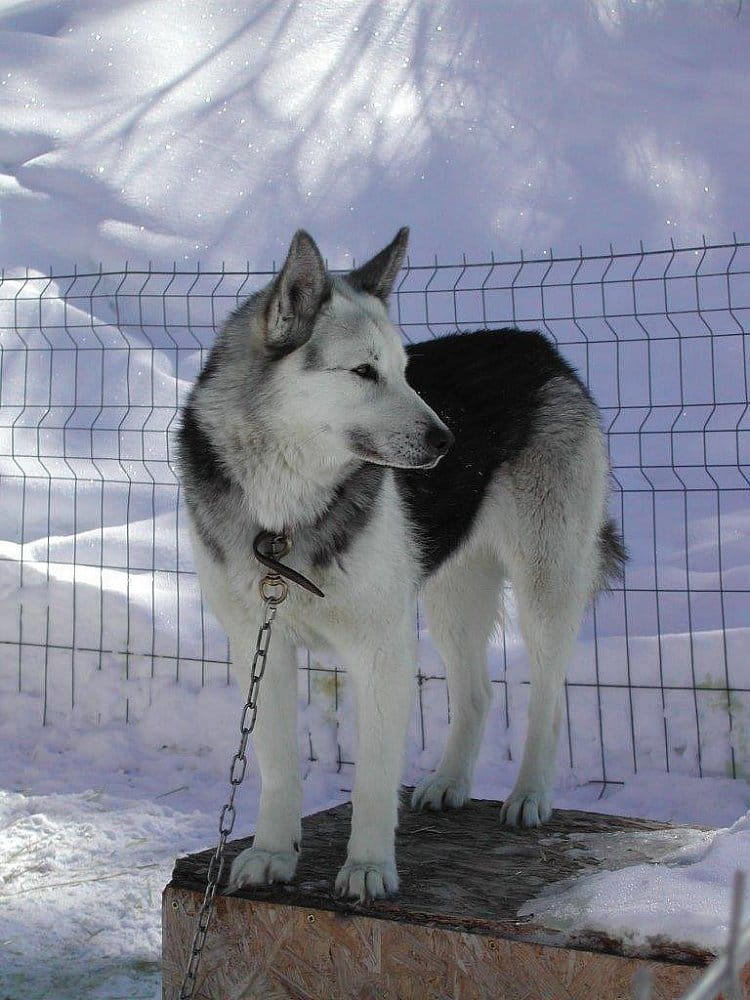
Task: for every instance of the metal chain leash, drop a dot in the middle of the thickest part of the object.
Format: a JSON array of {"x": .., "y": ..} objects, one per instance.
[
  {"x": 274, "y": 590},
  {"x": 227, "y": 816}
]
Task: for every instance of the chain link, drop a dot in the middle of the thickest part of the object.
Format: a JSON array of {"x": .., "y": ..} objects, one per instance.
[{"x": 227, "y": 815}]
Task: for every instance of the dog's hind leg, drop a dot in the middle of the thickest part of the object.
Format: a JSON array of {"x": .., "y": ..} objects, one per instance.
[
  {"x": 549, "y": 618},
  {"x": 552, "y": 584},
  {"x": 556, "y": 499},
  {"x": 461, "y": 603},
  {"x": 273, "y": 856}
]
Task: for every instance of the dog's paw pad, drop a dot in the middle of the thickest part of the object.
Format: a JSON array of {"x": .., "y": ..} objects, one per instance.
[
  {"x": 441, "y": 792},
  {"x": 526, "y": 808},
  {"x": 366, "y": 880},
  {"x": 255, "y": 866}
]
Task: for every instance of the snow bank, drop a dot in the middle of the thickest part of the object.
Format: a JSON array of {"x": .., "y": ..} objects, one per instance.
[{"x": 212, "y": 133}]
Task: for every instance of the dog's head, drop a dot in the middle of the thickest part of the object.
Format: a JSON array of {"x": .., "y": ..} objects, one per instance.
[{"x": 333, "y": 367}]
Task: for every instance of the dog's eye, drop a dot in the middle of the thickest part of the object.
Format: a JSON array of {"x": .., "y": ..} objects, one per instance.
[{"x": 366, "y": 371}]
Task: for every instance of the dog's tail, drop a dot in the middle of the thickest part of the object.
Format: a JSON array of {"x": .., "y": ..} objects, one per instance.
[{"x": 612, "y": 556}]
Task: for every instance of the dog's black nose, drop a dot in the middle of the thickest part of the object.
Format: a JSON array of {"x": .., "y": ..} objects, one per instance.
[{"x": 439, "y": 439}]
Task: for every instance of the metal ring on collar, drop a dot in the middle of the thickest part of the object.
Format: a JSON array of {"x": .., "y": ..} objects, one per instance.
[{"x": 274, "y": 589}]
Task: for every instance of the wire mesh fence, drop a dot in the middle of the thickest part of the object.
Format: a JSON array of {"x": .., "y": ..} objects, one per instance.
[{"x": 100, "y": 604}]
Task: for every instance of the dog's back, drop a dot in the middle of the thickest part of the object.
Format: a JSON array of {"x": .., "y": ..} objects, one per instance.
[{"x": 494, "y": 389}]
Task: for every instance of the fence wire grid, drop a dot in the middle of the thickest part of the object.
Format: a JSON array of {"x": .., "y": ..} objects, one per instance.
[{"x": 100, "y": 604}]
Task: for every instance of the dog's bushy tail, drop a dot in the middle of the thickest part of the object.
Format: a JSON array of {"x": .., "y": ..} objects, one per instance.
[{"x": 612, "y": 556}]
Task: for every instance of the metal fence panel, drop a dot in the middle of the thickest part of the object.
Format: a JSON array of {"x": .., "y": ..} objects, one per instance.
[{"x": 97, "y": 573}]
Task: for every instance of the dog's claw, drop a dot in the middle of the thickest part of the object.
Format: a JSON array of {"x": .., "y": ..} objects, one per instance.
[
  {"x": 526, "y": 809},
  {"x": 254, "y": 866},
  {"x": 439, "y": 792},
  {"x": 366, "y": 880}
]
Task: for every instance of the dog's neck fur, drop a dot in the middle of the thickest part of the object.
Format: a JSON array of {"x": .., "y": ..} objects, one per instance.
[{"x": 283, "y": 487}]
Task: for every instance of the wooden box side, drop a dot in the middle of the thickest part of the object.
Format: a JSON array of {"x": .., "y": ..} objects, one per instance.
[{"x": 259, "y": 949}]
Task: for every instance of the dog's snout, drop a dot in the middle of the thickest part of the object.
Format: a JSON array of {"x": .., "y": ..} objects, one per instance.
[{"x": 439, "y": 439}]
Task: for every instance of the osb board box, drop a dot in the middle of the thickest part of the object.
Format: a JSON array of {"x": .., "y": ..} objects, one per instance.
[{"x": 453, "y": 930}]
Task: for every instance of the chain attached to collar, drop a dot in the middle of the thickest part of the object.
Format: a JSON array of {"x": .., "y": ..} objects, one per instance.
[{"x": 268, "y": 548}]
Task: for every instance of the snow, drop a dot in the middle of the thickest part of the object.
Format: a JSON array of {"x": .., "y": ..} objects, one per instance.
[
  {"x": 685, "y": 892},
  {"x": 206, "y": 133},
  {"x": 92, "y": 819},
  {"x": 170, "y": 133}
]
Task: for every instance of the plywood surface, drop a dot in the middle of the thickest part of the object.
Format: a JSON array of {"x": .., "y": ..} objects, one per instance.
[
  {"x": 462, "y": 870},
  {"x": 260, "y": 950}
]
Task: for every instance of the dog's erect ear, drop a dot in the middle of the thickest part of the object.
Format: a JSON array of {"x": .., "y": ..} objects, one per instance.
[
  {"x": 297, "y": 294},
  {"x": 378, "y": 275}
]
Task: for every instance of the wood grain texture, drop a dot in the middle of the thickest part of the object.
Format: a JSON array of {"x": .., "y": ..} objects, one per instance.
[
  {"x": 268, "y": 951},
  {"x": 451, "y": 932}
]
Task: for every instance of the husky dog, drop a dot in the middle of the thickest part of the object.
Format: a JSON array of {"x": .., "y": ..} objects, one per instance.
[{"x": 444, "y": 469}]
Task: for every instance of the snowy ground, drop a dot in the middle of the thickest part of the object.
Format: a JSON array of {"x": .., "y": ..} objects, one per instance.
[
  {"x": 187, "y": 132},
  {"x": 92, "y": 820}
]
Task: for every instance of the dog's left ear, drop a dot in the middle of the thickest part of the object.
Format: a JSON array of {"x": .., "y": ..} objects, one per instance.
[
  {"x": 378, "y": 275},
  {"x": 297, "y": 294}
]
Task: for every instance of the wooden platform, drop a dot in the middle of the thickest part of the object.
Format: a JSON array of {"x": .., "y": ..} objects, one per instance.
[{"x": 453, "y": 931}]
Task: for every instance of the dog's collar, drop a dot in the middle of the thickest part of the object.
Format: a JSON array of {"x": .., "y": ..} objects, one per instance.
[{"x": 269, "y": 547}]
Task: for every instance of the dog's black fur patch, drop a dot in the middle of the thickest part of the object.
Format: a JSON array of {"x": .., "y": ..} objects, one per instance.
[
  {"x": 347, "y": 515},
  {"x": 486, "y": 387},
  {"x": 204, "y": 475}
]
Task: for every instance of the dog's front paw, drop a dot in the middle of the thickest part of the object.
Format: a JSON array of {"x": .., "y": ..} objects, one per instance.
[
  {"x": 366, "y": 880},
  {"x": 526, "y": 807},
  {"x": 441, "y": 792},
  {"x": 255, "y": 866}
]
